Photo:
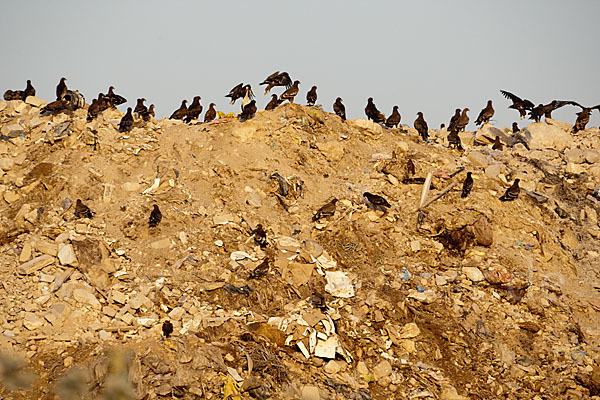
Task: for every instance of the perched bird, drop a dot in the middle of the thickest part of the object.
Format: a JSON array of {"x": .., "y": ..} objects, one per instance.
[
  {"x": 114, "y": 99},
  {"x": 394, "y": 119},
  {"x": 421, "y": 126},
  {"x": 497, "y": 144},
  {"x": 378, "y": 202},
  {"x": 211, "y": 113},
  {"x": 248, "y": 111},
  {"x": 239, "y": 92},
  {"x": 339, "y": 109},
  {"x": 56, "y": 107},
  {"x": 277, "y": 79},
  {"x": 29, "y": 90},
  {"x": 326, "y": 210},
  {"x": 155, "y": 217},
  {"x": 126, "y": 122},
  {"x": 512, "y": 192},
  {"x": 273, "y": 103},
  {"x": 311, "y": 96},
  {"x": 167, "y": 328},
  {"x": 13, "y": 95},
  {"x": 181, "y": 112},
  {"x": 261, "y": 269},
  {"x": 81, "y": 210},
  {"x": 486, "y": 114},
  {"x": 61, "y": 89},
  {"x": 515, "y": 128},
  {"x": 247, "y": 96},
  {"x": 373, "y": 113},
  {"x": 410, "y": 167},
  {"x": 521, "y": 105},
  {"x": 290, "y": 93},
  {"x": 454, "y": 140},
  {"x": 194, "y": 110},
  {"x": 467, "y": 185},
  {"x": 148, "y": 114},
  {"x": 463, "y": 120},
  {"x": 583, "y": 116},
  {"x": 454, "y": 120},
  {"x": 260, "y": 236},
  {"x": 140, "y": 109},
  {"x": 98, "y": 105}
]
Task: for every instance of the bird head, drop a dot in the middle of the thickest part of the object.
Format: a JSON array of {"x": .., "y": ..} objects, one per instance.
[
  {"x": 212, "y": 104},
  {"x": 128, "y": 110}
]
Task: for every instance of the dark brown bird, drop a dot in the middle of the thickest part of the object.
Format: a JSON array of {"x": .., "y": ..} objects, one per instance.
[
  {"x": 521, "y": 105},
  {"x": 410, "y": 167},
  {"x": 239, "y": 92},
  {"x": 497, "y": 144},
  {"x": 454, "y": 120},
  {"x": 394, "y": 119},
  {"x": 339, "y": 109},
  {"x": 326, "y": 210},
  {"x": 29, "y": 90},
  {"x": 277, "y": 79},
  {"x": 181, "y": 112},
  {"x": 81, "y": 210},
  {"x": 290, "y": 93},
  {"x": 194, "y": 110},
  {"x": 148, "y": 114},
  {"x": 155, "y": 217},
  {"x": 515, "y": 128},
  {"x": 583, "y": 117},
  {"x": 421, "y": 126},
  {"x": 260, "y": 236},
  {"x": 167, "y": 329},
  {"x": 454, "y": 140},
  {"x": 61, "y": 89},
  {"x": 126, "y": 123},
  {"x": 249, "y": 95},
  {"x": 56, "y": 107},
  {"x": 311, "y": 96},
  {"x": 13, "y": 95},
  {"x": 98, "y": 105},
  {"x": 486, "y": 114},
  {"x": 463, "y": 120},
  {"x": 140, "y": 109},
  {"x": 211, "y": 113},
  {"x": 512, "y": 192},
  {"x": 249, "y": 111},
  {"x": 114, "y": 99},
  {"x": 273, "y": 103},
  {"x": 373, "y": 113},
  {"x": 467, "y": 185},
  {"x": 378, "y": 202},
  {"x": 261, "y": 269},
  {"x": 540, "y": 110}
]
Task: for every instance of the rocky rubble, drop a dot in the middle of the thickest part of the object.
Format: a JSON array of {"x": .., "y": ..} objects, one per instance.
[{"x": 462, "y": 299}]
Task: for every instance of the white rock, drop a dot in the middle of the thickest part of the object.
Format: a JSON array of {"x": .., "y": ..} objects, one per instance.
[
  {"x": 177, "y": 313},
  {"x": 86, "y": 297},
  {"x": 366, "y": 124},
  {"x": 326, "y": 348},
  {"x": 34, "y": 101},
  {"x": 494, "y": 170},
  {"x": 66, "y": 255},
  {"x": 6, "y": 163},
  {"x": 338, "y": 284},
  {"x": 32, "y": 321},
  {"x": 541, "y": 135},
  {"x": 478, "y": 159},
  {"x": 473, "y": 273}
]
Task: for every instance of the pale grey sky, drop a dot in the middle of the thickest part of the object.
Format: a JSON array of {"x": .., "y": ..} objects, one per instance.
[{"x": 430, "y": 56}]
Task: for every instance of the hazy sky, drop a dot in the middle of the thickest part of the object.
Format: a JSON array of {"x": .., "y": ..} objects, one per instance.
[{"x": 430, "y": 56}]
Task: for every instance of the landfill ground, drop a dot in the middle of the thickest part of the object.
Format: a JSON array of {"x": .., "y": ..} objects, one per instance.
[{"x": 465, "y": 298}]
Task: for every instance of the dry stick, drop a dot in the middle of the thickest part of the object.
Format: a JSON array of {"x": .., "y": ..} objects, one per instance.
[
  {"x": 439, "y": 195},
  {"x": 425, "y": 190}
]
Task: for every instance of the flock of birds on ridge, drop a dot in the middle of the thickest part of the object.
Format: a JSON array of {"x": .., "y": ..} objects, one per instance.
[{"x": 68, "y": 100}]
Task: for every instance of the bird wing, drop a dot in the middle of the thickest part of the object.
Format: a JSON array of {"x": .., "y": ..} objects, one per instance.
[
  {"x": 270, "y": 78},
  {"x": 285, "y": 80},
  {"x": 509, "y": 95},
  {"x": 562, "y": 103},
  {"x": 235, "y": 90}
]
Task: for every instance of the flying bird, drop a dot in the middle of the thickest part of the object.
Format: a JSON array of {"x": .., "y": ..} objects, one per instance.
[
  {"x": 540, "y": 110},
  {"x": 486, "y": 114},
  {"x": 81, "y": 210},
  {"x": 211, "y": 113},
  {"x": 260, "y": 236},
  {"x": 194, "y": 110},
  {"x": 290, "y": 93},
  {"x": 463, "y": 120},
  {"x": 378, "y": 202},
  {"x": 248, "y": 111},
  {"x": 497, "y": 144},
  {"x": 273, "y": 103},
  {"x": 394, "y": 119},
  {"x": 277, "y": 79},
  {"x": 61, "y": 89},
  {"x": 155, "y": 217},
  {"x": 339, "y": 109},
  {"x": 167, "y": 329},
  {"x": 140, "y": 109},
  {"x": 467, "y": 185},
  {"x": 311, "y": 96},
  {"x": 326, "y": 210},
  {"x": 181, "y": 112},
  {"x": 421, "y": 126},
  {"x": 126, "y": 122},
  {"x": 521, "y": 105},
  {"x": 512, "y": 192},
  {"x": 148, "y": 114}
]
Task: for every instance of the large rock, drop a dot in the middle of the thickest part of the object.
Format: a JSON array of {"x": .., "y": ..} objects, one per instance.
[
  {"x": 366, "y": 124},
  {"x": 489, "y": 131},
  {"x": 478, "y": 159},
  {"x": 541, "y": 135},
  {"x": 34, "y": 101}
]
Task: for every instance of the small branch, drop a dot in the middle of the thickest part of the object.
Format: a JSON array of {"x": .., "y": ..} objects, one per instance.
[
  {"x": 439, "y": 195},
  {"x": 425, "y": 190}
]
